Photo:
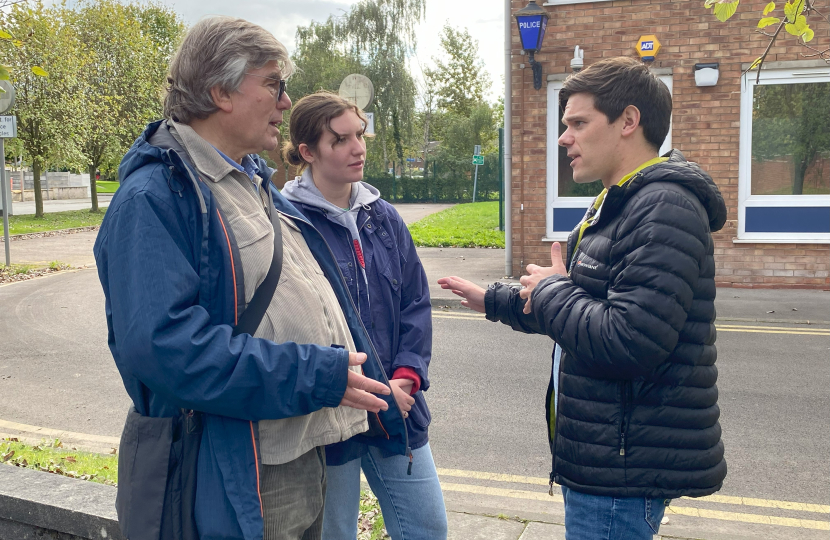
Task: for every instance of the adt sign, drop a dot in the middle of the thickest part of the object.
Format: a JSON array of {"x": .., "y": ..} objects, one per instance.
[{"x": 648, "y": 47}]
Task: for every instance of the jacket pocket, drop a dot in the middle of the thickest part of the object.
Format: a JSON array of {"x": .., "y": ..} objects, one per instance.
[
  {"x": 419, "y": 414},
  {"x": 157, "y": 476},
  {"x": 143, "y": 467},
  {"x": 393, "y": 278}
]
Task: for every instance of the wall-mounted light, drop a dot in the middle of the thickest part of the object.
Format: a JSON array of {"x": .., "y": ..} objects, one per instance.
[
  {"x": 532, "y": 21},
  {"x": 706, "y": 74}
]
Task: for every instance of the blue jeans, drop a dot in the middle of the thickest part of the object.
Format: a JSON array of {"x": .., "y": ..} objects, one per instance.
[
  {"x": 412, "y": 506},
  {"x": 597, "y": 517}
]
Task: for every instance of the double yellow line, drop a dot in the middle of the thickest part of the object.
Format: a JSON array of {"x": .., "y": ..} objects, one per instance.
[
  {"x": 741, "y": 517},
  {"x": 805, "y": 331}
]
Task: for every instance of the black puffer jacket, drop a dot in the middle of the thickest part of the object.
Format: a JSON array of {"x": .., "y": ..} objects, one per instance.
[{"x": 637, "y": 412}]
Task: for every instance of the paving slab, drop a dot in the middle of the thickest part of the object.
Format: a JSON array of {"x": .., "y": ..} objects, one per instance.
[
  {"x": 73, "y": 249},
  {"x": 479, "y": 265},
  {"x": 476, "y": 527},
  {"x": 543, "y": 531}
]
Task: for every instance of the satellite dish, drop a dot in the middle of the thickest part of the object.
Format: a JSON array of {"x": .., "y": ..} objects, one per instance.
[
  {"x": 358, "y": 89},
  {"x": 6, "y": 97}
]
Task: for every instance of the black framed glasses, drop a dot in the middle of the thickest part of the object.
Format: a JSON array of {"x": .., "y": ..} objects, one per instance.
[{"x": 281, "y": 82}]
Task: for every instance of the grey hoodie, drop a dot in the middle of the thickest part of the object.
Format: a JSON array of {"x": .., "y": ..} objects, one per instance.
[{"x": 303, "y": 190}]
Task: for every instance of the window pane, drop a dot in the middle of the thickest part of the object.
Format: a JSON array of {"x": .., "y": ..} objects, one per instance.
[
  {"x": 567, "y": 186},
  {"x": 791, "y": 139}
]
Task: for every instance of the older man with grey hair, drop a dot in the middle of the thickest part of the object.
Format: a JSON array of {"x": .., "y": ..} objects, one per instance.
[{"x": 237, "y": 384}]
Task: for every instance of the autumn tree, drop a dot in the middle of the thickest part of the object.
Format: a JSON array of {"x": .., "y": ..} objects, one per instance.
[
  {"x": 48, "y": 109},
  {"x": 125, "y": 63}
]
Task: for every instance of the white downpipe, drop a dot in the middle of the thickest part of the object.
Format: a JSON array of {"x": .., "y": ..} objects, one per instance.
[{"x": 508, "y": 143}]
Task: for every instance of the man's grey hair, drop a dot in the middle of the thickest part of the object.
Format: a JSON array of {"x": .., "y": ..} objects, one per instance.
[{"x": 217, "y": 51}]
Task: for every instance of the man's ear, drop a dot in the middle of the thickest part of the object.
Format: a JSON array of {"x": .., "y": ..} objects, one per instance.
[
  {"x": 221, "y": 99},
  {"x": 305, "y": 153},
  {"x": 630, "y": 120}
]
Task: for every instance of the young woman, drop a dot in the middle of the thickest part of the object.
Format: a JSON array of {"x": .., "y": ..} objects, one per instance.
[{"x": 384, "y": 275}]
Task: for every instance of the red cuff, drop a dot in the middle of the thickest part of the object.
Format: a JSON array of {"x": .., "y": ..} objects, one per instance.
[{"x": 408, "y": 373}]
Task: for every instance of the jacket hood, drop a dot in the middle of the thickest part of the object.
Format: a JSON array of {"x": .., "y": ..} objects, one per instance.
[
  {"x": 302, "y": 190},
  {"x": 687, "y": 174},
  {"x": 142, "y": 152}
]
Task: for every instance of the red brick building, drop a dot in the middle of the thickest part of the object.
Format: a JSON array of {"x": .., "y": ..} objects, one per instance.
[{"x": 777, "y": 193}]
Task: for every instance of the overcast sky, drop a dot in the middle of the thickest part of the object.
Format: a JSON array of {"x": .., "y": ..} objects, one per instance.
[{"x": 484, "y": 20}]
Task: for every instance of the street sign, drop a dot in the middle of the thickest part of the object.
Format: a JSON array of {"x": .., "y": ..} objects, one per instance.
[
  {"x": 477, "y": 150},
  {"x": 8, "y": 127},
  {"x": 648, "y": 47},
  {"x": 478, "y": 160},
  {"x": 370, "y": 127}
]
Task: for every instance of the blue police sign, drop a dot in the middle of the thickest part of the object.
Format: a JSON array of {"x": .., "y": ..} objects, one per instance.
[{"x": 532, "y": 21}]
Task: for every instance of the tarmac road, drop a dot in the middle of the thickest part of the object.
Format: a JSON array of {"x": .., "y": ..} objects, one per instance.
[{"x": 488, "y": 387}]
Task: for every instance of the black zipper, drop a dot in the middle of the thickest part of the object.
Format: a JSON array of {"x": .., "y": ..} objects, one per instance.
[
  {"x": 363, "y": 326},
  {"x": 624, "y": 399}
]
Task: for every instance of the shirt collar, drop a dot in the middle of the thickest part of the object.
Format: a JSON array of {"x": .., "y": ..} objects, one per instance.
[{"x": 247, "y": 166}]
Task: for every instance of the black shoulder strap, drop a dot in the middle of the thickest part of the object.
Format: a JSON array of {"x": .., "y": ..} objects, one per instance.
[{"x": 255, "y": 311}]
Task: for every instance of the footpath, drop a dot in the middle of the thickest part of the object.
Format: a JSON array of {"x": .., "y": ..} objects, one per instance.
[{"x": 472, "y": 515}]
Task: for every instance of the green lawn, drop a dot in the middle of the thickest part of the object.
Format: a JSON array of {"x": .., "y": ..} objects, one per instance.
[
  {"x": 106, "y": 187},
  {"x": 54, "y": 221},
  {"x": 463, "y": 225}
]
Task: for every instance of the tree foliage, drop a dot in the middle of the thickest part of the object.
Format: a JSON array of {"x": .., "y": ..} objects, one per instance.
[
  {"x": 107, "y": 62},
  {"x": 376, "y": 39},
  {"x": 126, "y": 49},
  {"x": 792, "y": 17},
  {"x": 459, "y": 73},
  {"x": 48, "y": 111}
]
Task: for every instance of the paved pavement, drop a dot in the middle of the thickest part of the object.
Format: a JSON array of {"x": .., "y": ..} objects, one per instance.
[{"x": 488, "y": 436}]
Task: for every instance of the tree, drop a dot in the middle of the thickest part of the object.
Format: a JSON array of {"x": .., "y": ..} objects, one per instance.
[
  {"x": 48, "y": 110},
  {"x": 460, "y": 74},
  {"x": 382, "y": 34},
  {"x": 11, "y": 40},
  {"x": 123, "y": 75},
  {"x": 794, "y": 22}
]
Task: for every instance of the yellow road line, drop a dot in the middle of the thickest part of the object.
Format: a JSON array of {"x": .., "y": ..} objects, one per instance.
[
  {"x": 774, "y": 328},
  {"x": 720, "y": 328},
  {"x": 677, "y": 510},
  {"x": 772, "y": 332},
  {"x": 750, "y": 518},
  {"x": 501, "y": 492},
  {"x": 720, "y": 499}
]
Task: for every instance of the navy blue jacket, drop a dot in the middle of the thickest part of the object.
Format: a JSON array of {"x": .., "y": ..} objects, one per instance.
[
  {"x": 395, "y": 309},
  {"x": 169, "y": 268}
]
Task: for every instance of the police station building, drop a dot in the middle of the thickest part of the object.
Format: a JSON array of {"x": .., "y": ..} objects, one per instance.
[{"x": 765, "y": 142}]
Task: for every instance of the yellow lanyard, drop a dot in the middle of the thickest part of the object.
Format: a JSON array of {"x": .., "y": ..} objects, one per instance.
[{"x": 601, "y": 197}]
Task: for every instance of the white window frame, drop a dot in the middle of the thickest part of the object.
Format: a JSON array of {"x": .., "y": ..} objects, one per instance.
[
  {"x": 745, "y": 197},
  {"x": 553, "y": 200}
]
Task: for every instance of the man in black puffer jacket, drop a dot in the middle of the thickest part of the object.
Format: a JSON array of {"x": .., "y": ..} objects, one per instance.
[{"x": 632, "y": 404}]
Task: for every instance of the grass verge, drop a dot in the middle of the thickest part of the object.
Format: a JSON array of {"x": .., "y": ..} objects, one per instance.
[
  {"x": 463, "y": 225},
  {"x": 104, "y": 186},
  {"x": 52, "y": 457},
  {"x": 54, "y": 221}
]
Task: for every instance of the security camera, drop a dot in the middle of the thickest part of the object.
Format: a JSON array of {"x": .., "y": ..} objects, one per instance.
[{"x": 577, "y": 63}]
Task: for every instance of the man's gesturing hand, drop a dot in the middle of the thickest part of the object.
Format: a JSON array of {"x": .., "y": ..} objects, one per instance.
[
  {"x": 472, "y": 294},
  {"x": 538, "y": 273},
  {"x": 358, "y": 388}
]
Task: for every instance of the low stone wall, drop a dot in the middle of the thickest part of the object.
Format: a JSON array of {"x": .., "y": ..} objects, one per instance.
[
  {"x": 36, "y": 504},
  {"x": 55, "y": 194}
]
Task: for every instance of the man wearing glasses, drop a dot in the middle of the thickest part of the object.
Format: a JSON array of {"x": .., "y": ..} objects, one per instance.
[{"x": 226, "y": 436}]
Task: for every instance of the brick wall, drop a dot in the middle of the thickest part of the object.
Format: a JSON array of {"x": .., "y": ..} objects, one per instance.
[{"x": 706, "y": 125}]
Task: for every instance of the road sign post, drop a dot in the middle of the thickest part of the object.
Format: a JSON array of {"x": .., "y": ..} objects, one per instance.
[
  {"x": 477, "y": 160},
  {"x": 8, "y": 129}
]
